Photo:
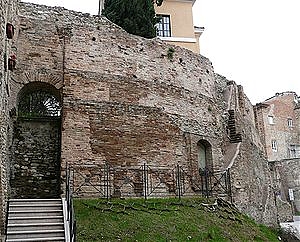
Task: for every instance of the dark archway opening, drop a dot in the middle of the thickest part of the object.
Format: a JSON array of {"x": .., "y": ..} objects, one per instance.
[
  {"x": 36, "y": 147},
  {"x": 205, "y": 161}
]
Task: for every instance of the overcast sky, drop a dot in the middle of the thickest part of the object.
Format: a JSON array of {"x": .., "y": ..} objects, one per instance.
[{"x": 256, "y": 43}]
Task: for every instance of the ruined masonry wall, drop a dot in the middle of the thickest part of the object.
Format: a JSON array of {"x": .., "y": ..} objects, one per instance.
[
  {"x": 288, "y": 171},
  {"x": 251, "y": 178},
  {"x": 123, "y": 102},
  {"x": 126, "y": 102},
  {"x": 35, "y": 169},
  {"x": 8, "y": 11}
]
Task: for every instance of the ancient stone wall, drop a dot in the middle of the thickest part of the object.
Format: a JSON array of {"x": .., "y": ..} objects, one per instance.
[
  {"x": 127, "y": 102},
  {"x": 8, "y": 10},
  {"x": 118, "y": 108},
  {"x": 35, "y": 163},
  {"x": 287, "y": 176},
  {"x": 251, "y": 178},
  {"x": 252, "y": 184}
]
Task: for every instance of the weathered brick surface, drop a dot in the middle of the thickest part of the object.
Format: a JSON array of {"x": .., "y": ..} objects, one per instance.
[
  {"x": 281, "y": 107},
  {"x": 252, "y": 181},
  {"x": 126, "y": 103},
  {"x": 8, "y": 10},
  {"x": 284, "y": 160},
  {"x": 286, "y": 175},
  {"x": 35, "y": 162}
]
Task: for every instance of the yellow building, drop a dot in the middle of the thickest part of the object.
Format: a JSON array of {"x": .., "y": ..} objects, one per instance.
[{"x": 176, "y": 25}]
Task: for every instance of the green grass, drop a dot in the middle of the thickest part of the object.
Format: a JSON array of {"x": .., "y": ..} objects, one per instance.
[{"x": 164, "y": 220}]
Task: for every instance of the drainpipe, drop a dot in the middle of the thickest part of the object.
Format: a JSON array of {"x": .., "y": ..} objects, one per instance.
[{"x": 101, "y": 6}]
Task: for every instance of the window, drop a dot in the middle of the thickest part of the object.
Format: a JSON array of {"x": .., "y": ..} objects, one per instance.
[
  {"x": 164, "y": 26},
  {"x": 274, "y": 145},
  {"x": 290, "y": 122},
  {"x": 294, "y": 151},
  {"x": 39, "y": 100},
  {"x": 271, "y": 119}
]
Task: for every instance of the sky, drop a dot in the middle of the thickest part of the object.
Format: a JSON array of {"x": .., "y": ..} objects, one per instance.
[{"x": 255, "y": 43}]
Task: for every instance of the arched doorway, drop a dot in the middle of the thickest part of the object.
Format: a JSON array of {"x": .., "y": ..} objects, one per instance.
[
  {"x": 204, "y": 156},
  {"x": 35, "y": 160}
]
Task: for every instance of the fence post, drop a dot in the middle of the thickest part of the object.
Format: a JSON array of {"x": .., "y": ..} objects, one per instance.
[
  {"x": 67, "y": 180},
  {"x": 178, "y": 181},
  {"x": 206, "y": 182},
  {"x": 202, "y": 182},
  {"x": 229, "y": 185},
  {"x": 145, "y": 180},
  {"x": 107, "y": 180}
]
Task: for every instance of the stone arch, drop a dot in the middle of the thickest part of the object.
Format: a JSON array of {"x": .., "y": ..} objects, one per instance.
[
  {"x": 41, "y": 75},
  {"x": 205, "y": 160},
  {"x": 36, "y": 146},
  {"x": 39, "y": 99}
]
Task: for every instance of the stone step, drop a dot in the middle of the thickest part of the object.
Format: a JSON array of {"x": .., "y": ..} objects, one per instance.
[
  {"x": 34, "y": 226},
  {"x": 236, "y": 141},
  {"x": 28, "y": 234},
  {"x": 34, "y": 201},
  {"x": 59, "y": 239},
  {"x": 34, "y": 213},
  {"x": 35, "y": 207},
  {"x": 43, "y": 219},
  {"x": 35, "y": 220},
  {"x": 231, "y": 126}
]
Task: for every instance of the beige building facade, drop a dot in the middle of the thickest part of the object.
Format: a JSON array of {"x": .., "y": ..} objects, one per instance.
[{"x": 177, "y": 26}]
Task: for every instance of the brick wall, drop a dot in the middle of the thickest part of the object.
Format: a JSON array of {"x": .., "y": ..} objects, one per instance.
[
  {"x": 127, "y": 103},
  {"x": 281, "y": 107},
  {"x": 7, "y": 15},
  {"x": 35, "y": 160}
]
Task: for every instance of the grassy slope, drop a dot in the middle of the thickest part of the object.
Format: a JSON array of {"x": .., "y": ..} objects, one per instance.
[{"x": 164, "y": 220}]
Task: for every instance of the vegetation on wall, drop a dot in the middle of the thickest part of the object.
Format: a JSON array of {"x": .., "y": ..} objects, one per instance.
[
  {"x": 170, "y": 53},
  {"x": 135, "y": 16}
]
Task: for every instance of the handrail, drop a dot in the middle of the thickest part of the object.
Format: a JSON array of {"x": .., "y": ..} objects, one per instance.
[
  {"x": 70, "y": 208},
  {"x": 6, "y": 219}
]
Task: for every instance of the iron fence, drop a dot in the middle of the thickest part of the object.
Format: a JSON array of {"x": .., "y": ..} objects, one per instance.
[{"x": 107, "y": 181}]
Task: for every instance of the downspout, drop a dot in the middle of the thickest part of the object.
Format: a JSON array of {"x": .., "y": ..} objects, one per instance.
[{"x": 101, "y": 6}]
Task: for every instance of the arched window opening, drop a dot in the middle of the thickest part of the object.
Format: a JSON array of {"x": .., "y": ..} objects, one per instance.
[
  {"x": 204, "y": 155},
  {"x": 201, "y": 156},
  {"x": 36, "y": 136},
  {"x": 39, "y": 100}
]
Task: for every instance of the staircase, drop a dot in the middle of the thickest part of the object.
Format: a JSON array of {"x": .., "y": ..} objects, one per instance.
[
  {"x": 35, "y": 220},
  {"x": 233, "y": 135}
]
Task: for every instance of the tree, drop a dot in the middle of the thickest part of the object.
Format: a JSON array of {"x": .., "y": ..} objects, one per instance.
[{"x": 135, "y": 16}]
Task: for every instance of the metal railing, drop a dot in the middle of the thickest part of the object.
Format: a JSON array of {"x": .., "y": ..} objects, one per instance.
[
  {"x": 70, "y": 208},
  {"x": 6, "y": 218},
  {"x": 107, "y": 181},
  {"x": 216, "y": 183}
]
